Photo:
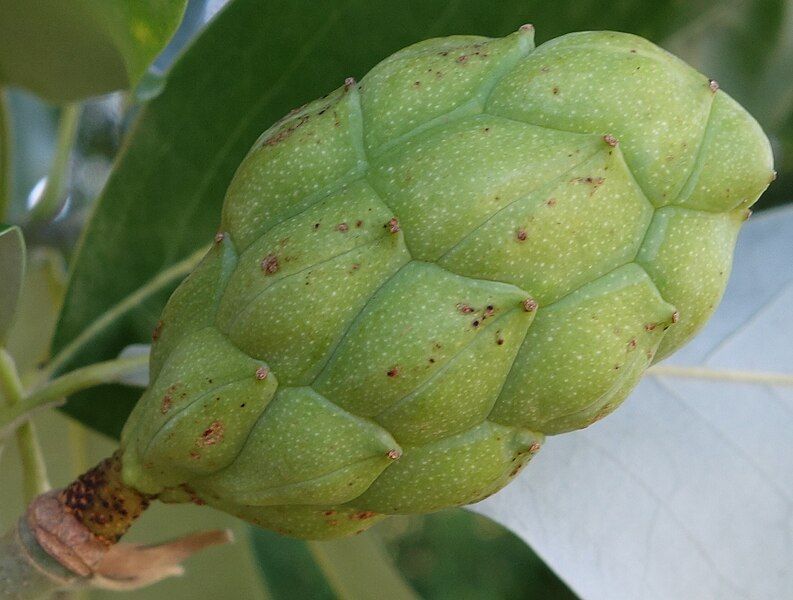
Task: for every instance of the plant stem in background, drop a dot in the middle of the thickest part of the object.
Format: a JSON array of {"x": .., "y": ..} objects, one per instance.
[
  {"x": 35, "y": 470},
  {"x": 49, "y": 203},
  {"x": 757, "y": 377},
  {"x": 5, "y": 155},
  {"x": 167, "y": 277},
  {"x": 110, "y": 371}
]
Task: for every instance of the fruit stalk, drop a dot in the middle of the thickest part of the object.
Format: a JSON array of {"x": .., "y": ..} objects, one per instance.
[{"x": 65, "y": 534}]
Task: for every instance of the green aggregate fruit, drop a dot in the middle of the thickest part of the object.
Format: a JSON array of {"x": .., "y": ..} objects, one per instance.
[{"x": 419, "y": 276}]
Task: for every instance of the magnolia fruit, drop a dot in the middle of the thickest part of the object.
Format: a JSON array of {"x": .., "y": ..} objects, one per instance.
[{"x": 422, "y": 274}]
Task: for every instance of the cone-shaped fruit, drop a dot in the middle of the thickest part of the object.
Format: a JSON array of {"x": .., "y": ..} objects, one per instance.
[{"x": 420, "y": 275}]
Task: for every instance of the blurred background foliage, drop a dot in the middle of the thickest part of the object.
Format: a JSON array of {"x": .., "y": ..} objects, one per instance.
[{"x": 94, "y": 178}]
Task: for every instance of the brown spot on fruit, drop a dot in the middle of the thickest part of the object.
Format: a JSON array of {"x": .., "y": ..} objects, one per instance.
[
  {"x": 632, "y": 344},
  {"x": 611, "y": 140},
  {"x": 534, "y": 448},
  {"x": 555, "y": 90},
  {"x": 211, "y": 435},
  {"x": 650, "y": 326},
  {"x": 262, "y": 373},
  {"x": 675, "y": 317},
  {"x": 269, "y": 264},
  {"x": 521, "y": 235},
  {"x": 490, "y": 310},
  {"x": 362, "y": 515},
  {"x": 551, "y": 202},
  {"x": 713, "y": 85},
  {"x": 393, "y": 372},
  {"x": 463, "y": 58},
  {"x": 394, "y": 454},
  {"x": 219, "y": 237},
  {"x": 359, "y": 223},
  {"x": 393, "y": 225},
  {"x": 155, "y": 335},
  {"x": 165, "y": 405},
  {"x": 343, "y": 227},
  {"x": 329, "y": 513},
  {"x": 465, "y": 308}
]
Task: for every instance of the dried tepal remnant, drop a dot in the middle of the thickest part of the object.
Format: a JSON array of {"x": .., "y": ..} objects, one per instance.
[{"x": 422, "y": 274}]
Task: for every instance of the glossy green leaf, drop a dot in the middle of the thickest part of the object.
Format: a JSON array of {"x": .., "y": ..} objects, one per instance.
[
  {"x": 65, "y": 51},
  {"x": 450, "y": 554},
  {"x": 250, "y": 66},
  {"x": 40, "y": 302},
  {"x": 12, "y": 272}
]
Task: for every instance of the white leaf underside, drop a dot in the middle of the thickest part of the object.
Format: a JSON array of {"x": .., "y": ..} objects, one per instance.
[{"x": 687, "y": 490}]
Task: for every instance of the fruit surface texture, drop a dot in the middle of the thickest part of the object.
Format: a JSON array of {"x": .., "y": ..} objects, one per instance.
[{"x": 422, "y": 274}]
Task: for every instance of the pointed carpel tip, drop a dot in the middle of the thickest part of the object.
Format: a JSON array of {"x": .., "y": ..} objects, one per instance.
[
  {"x": 611, "y": 140},
  {"x": 349, "y": 83},
  {"x": 394, "y": 454},
  {"x": 713, "y": 85},
  {"x": 526, "y": 28},
  {"x": 773, "y": 176},
  {"x": 529, "y": 305}
]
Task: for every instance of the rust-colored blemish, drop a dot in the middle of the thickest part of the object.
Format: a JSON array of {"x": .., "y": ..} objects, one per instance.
[
  {"x": 165, "y": 405},
  {"x": 465, "y": 308},
  {"x": 262, "y": 373},
  {"x": 393, "y": 372},
  {"x": 611, "y": 140},
  {"x": 155, "y": 335},
  {"x": 269, "y": 264},
  {"x": 521, "y": 235},
  {"x": 343, "y": 227},
  {"x": 393, "y": 225},
  {"x": 211, "y": 435},
  {"x": 362, "y": 515},
  {"x": 394, "y": 454}
]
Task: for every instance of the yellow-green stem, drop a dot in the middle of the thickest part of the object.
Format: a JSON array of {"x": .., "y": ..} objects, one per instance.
[{"x": 35, "y": 471}]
